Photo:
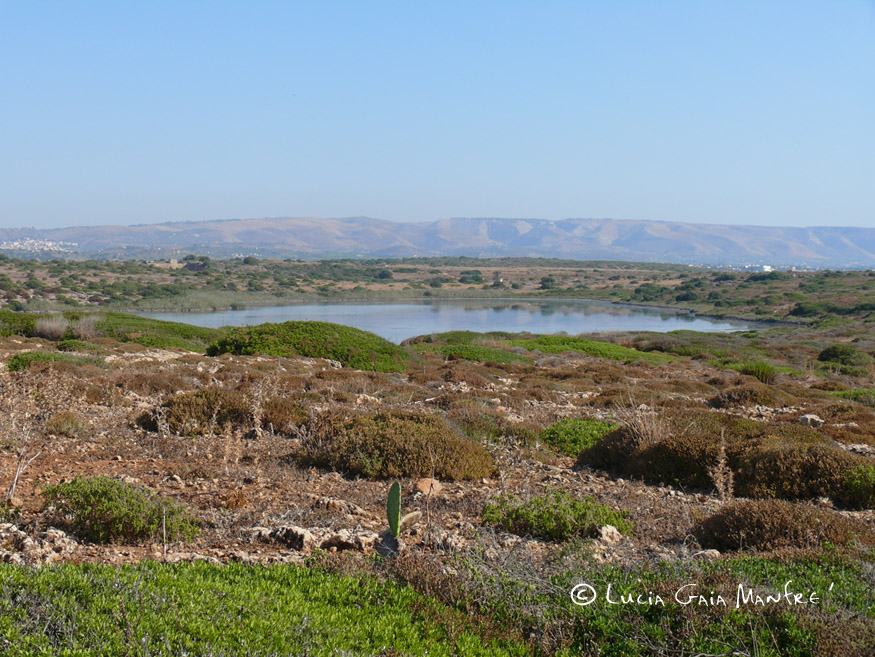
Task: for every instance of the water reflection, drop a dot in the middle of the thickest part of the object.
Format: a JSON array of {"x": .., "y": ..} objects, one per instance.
[{"x": 397, "y": 321}]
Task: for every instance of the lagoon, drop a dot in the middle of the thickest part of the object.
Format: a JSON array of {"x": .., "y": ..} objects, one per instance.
[{"x": 406, "y": 319}]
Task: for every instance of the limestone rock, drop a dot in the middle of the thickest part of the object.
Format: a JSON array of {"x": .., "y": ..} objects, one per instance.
[
  {"x": 810, "y": 420},
  {"x": 427, "y": 484},
  {"x": 610, "y": 535}
]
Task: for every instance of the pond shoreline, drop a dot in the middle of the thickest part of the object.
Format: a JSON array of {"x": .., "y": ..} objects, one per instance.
[
  {"x": 401, "y": 319},
  {"x": 397, "y": 300}
]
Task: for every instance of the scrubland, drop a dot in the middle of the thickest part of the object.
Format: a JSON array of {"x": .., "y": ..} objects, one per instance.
[{"x": 224, "y": 492}]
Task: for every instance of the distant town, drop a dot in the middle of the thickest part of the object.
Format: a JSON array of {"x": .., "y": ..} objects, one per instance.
[{"x": 29, "y": 245}]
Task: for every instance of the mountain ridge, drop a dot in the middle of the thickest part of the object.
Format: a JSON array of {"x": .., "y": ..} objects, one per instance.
[{"x": 368, "y": 237}]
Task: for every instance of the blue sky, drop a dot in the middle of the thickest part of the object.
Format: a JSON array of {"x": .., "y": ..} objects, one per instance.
[{"x": 720, "y": 112}]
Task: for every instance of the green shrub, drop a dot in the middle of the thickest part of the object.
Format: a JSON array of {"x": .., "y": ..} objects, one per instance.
[
  {"x": 557, "y": 344},
  {"x": 774, "y": 524},
  {"x": 77, "y": 345},
  {"x": 765, "y": 372},
  {"x": 572, "y": 434},
  {"x": 859, "y": 486},
  {"x": 394, "y": 444},
  {"x": 555, "y": 516},
  {"x": 154, "y": 333},
  {"x": 100, "y": 509},
  {"x": 23, "y": 360},
  {"x": 844, "y": 354},
  {"x": 475, "y": 353},
  {"x": 460, "y": 337},
  {"x": 351, "y": 346},
  {"x": 16, "y": 323},
  {"x": 861, "y": 396}
]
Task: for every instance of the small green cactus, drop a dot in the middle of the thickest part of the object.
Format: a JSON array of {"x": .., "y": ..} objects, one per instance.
[{"x": 393, "y": 509}]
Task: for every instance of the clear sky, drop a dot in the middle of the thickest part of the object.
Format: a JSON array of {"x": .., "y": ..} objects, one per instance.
[{"x": 746, "y": 112}]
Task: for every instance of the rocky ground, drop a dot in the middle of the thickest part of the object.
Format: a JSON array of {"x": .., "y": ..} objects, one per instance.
[{"x": 255, "y": 501}]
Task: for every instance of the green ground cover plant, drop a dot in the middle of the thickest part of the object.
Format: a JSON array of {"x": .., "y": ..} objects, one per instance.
[
  {"x": 555, "y": 516},
  {"x": 122, "y": 327},
  {"x": 352, "y": 347},
  {"x": 555, "y": 344},
  {"x": 154, "y": 332},
  {"x": 571, "y": 435},
  {"x": 22, "y": 361},
  {"x": 461, "y": 337},
  {"x": 859, "y": 486},
  {"x": 473, "y": 352},
  {"x": 860, "y": 395},
  {"x": 102, "y": 510},
  {"x": 234, "y": 609}
]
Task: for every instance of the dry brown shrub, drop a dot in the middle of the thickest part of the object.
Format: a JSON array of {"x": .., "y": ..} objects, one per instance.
[
  {"x": 53, "y": 327},
  {"x": 202, "y": 412},
  {"x": 830, "y": 386},
  {"x": 283, "y": 414},
  {"x": 482, "y": 421},
  {"x": 154, "y": 381},
  {"x": 464, "y": 372},
  {"x": 838, "y": 635},
  {"x": 775, "y": 524},
  {"x": 784, "y": 460},
  {"x": 751, "y": 394},
  {"x": 645, "y": 425},
  {"x": 65, "y": 423},
  {"x": 392, "y": 444},
  {"x": 85, "y": 328}
]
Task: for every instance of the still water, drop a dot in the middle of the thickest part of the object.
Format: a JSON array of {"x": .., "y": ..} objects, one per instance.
[{"x": 405, "y": 319}]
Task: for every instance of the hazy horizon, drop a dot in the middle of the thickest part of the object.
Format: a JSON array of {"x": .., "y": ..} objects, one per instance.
[{"x": 424, "y": 221}]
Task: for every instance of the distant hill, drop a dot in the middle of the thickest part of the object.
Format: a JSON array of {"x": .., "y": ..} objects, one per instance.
[{"x": 357, "y": 237}]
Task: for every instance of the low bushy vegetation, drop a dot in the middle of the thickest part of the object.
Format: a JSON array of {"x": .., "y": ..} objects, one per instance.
[
  {"x": 352, "y": 347},
  {"x": 65, "y": 423},
  {"x": 154, "y": 332},
  {"x": 859, "y": 486},
  {"x": 555, "y": 516},
  {"x": 767, "y": 459},
  {"x": 861, "y": 395},
  {"x": 100, "y": 509},
  {"x": 394, "y": 444},
  {"x": 460, "y": 337},
  {"x": 202, "y": 411},
  {"x": 556, "y": 344},
  {"x": 23, "y": 360},
  {"x": 761, "y": 370},
  {"x": 774, "y": 524},
  {"x": 81, "y": 326},
  {"x": 750, "y": 394},
  {"x": 571, "y": 435},
  {"x": 844, "y": 354},
  {"x": 234, "y": 609},
  {"x": 476, "y": 353}
]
